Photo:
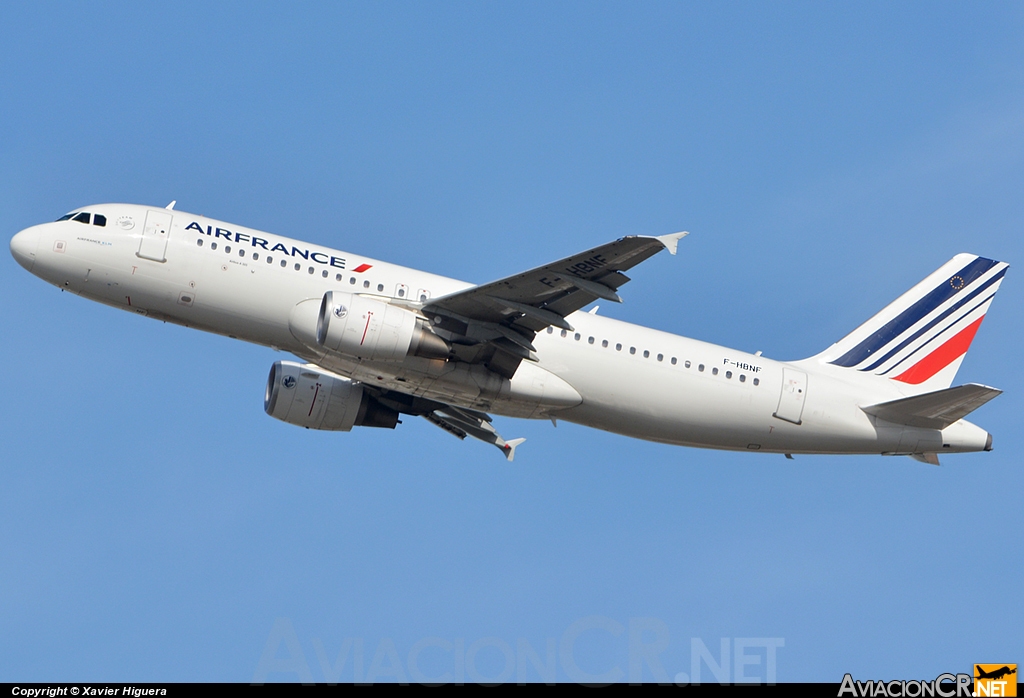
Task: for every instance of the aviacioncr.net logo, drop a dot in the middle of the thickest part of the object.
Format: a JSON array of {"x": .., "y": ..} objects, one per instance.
[{"x": 943, "y": 686}]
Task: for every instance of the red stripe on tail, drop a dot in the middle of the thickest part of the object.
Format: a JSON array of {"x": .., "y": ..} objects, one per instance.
[{"x": 941, "y": 357}]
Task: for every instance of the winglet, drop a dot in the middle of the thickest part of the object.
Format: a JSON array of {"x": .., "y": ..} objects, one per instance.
[
  {"x": 509, "y": 449},
  {"x": 671, "y": 241}
]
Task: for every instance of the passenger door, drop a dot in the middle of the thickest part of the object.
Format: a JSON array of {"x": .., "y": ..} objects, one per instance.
[
  {"x": 794, "y": 392},
  {"x": 153, "y": 244}
]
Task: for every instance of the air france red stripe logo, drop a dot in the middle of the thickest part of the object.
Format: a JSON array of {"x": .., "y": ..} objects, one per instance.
[{"x": 952, "y": 350}]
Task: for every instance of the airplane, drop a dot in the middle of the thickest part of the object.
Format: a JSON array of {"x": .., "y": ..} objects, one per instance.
[
  {"x": 376, "y": 341},
  {"x": 996, "y": 673}
]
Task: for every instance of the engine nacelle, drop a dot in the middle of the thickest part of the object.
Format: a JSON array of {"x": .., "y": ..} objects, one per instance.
[
  {"x": 307, "y": 397},
  {"x": 368, "y": 329}
]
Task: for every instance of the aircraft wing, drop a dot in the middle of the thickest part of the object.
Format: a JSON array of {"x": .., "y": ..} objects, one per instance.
[
  {"x": 462, "y": 423},
  {"x": 498, "y": 320},
  {"x": 544, "y": 296},
  {"x": 457, "y": 421}
]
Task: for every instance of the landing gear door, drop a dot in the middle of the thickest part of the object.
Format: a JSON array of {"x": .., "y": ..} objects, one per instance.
[
  {"x": 153, "y": 244},
  {"x": 794, "y": 392}
]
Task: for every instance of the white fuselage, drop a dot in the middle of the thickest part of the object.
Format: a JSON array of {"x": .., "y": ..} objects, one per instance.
[{"x": 607, "y": 374}]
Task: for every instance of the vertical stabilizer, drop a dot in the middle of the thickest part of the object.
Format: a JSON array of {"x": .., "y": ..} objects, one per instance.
[{"x": 921, "y": 338}]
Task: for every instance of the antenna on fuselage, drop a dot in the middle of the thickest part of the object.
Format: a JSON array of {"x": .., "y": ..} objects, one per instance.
[{"x": 170, "y": 206}]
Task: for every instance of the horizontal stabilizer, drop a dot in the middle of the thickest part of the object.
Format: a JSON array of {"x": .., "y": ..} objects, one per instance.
[{"x": 935, "y": 410}]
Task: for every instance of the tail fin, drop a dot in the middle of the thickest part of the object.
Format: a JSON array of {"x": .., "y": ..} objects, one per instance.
[{"x": 921, "y": 338}]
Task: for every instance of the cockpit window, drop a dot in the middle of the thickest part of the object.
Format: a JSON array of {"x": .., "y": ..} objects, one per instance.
[{"x": 83, "y": 217}]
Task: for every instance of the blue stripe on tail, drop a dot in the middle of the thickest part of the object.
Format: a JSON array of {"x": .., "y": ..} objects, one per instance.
[
  {"x": 942, "y": 316},
  {"x": 938, "y": 335},
  {"x": 898, "y": 325}
]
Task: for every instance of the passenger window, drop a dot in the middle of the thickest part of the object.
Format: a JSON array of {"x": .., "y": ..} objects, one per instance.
[
  {"x": 647, "y": 354},
  {"x": 99, "y": 220},
  {"x": 199, "y": 242},
  {"x": 757, "y": 381},
  {"x": 366, "y": 284},
  {"x": 213, "y": 245},
  {"x": 604, "y": 343},
  {"x": 551, "y": 330},
  {"x": 632, "y": 350},
  {"x": 380, "y": 287},
  {"x": 673, "y": 361},
  {"x": 618, "y": 347},
  {"x": 284, "y": 263},
  {"x": 324, "y": 273},
  {"x": 82, "y": 217},
  {"x": 687, "y": 364},
  {"x": 227, "y": 249},
  {"x": 352, "y": 280},
  {"x": 743, "y": 378},
  {"x": 564, "y": 333},
  {"x": 590, "y": 340},
  {"x": 298, "y": 266},
  {"x": 577, "y": 337},
  {"x": 241, "y": 253},
  {"x": 700, "y": 367},
  {"x": 660, "y": 357},
  {"x": 255, "y": 256},
  {"x": 728, "y": 374},
  {"x": 311, "y": 270},
  {"x": 401, "y": 293},
  {"x": 714, "y": 371},
  {"x": 270, "y": 260},
  {"x": 337, "y": 277}
]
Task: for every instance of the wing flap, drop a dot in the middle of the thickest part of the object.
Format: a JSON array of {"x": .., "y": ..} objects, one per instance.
[
  {"x": 544, "y": 317},
  {"x": 935, "y": 410}
]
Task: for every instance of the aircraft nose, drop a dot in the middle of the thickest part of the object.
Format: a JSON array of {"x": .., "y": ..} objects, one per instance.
[{"x": 23, "y": 247}]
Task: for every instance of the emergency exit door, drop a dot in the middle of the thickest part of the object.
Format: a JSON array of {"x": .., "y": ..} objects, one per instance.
[
  {"x": 794, "y": 392},
  {"x": 155, "y": 234}
]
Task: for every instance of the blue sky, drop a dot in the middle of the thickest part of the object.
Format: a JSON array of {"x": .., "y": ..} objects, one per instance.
[{"x": 155, "y": 524}]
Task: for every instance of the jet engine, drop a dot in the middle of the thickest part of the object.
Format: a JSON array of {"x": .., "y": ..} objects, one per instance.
[
  {"x": 310, "y": 398},
  {"x": 366, "y": 328}
]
